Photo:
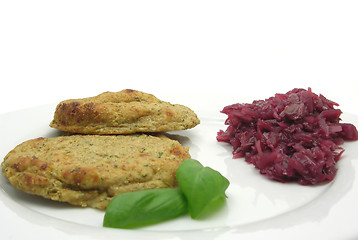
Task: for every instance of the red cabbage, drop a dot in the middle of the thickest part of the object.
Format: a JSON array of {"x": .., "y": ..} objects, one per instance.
[{"x": 289, "y": 137}]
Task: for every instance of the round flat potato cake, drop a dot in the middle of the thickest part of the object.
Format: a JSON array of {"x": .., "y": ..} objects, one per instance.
[
  {"x": 123, "y": 112},
  {"x": 89, "y": 170}
]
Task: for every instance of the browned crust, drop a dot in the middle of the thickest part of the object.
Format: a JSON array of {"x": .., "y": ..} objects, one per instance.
[{"x": 124, "y": 112}]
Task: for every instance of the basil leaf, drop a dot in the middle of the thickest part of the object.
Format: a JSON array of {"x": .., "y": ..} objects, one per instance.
[
  {"x": 136, "y": 209},
  {"x": 202, "y": 186}
]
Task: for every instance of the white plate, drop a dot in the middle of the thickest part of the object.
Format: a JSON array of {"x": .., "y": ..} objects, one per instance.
[{"x": 256, "y": 207}]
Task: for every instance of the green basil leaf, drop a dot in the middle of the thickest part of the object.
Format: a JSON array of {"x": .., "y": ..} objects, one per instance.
[
  {"x": 202, "y": 186},
  {"x": 136, "y": 209}
]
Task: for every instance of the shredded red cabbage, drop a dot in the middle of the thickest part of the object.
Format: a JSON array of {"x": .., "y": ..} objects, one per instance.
[{"x": 289, "y": 137}]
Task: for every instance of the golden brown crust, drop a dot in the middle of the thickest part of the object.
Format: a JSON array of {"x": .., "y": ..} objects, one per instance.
[
  {"x": 88, "y": 170},
  {"x": 123, "y": 112}
]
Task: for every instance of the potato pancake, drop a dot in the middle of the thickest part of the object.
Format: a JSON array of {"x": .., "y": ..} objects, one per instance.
[
  {"x": 123, "y": 112},
  {"x": 89, "y": 170}
]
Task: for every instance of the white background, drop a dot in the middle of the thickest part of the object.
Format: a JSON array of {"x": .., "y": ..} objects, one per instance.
[{"x": 56, "y": 50}]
